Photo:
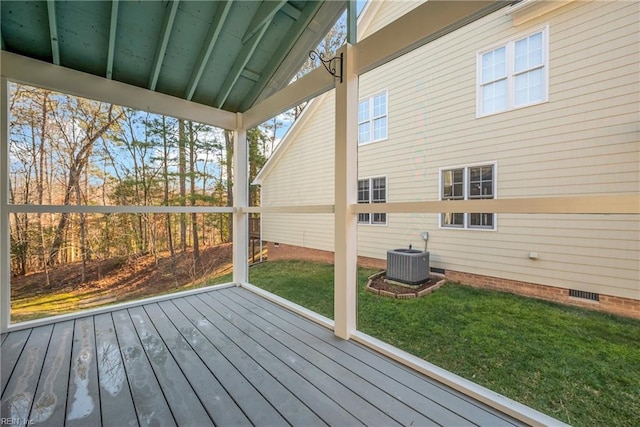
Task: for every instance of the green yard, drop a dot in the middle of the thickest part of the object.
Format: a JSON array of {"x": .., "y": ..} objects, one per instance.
[{"x": 579, "y": 366}]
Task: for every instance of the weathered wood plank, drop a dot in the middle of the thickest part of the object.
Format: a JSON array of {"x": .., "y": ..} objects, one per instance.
[
  {"x": 83, "y": 403},
  {"x": 388, "y": 397},
  {"x": 148, "y": 399},
  {"x": 350, "y": 404},
  {"x": 116, "y": 403},
  {"x": 444, "y": 405},
  {"x": 252, "y": 403},
  {"x": 49, "y": 404},
  {"x": 10, "y": 352},
  {"x": 186, "y": 407},
  {"x": 17, "y": 398},
  {"x": 248, "y": 359},
  {"x": 219, "y": 405}
]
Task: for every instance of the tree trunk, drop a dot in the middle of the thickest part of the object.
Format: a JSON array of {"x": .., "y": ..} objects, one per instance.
[
  {"x": 165, "y": 171},
  {"x": 182, "y": 166},
  {"x": 194, "y": 218},
  {"x": 228, "y": 137}
]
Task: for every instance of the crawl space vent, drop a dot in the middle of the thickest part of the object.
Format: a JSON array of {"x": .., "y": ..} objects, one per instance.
[{"x": 584, "y": 295}]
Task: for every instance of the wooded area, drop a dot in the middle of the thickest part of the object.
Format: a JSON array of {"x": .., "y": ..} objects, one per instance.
[
  {"x": 66, "y": 151},
  {"x": 70, "y": 151}
]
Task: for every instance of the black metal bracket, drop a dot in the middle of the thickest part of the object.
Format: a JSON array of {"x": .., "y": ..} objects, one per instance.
[{"x": 329, "y": 64}]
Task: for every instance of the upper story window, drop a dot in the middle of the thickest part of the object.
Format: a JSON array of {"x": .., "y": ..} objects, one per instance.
[
  {"x": 468, "y": 183},
  {"x": 514, "y": 75},
  {"x": 372, "y": 119},
  {"x": 372, "y": 190}
]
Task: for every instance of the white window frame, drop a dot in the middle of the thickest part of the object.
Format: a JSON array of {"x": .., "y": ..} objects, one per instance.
[
  {"x": 511, "y": 74},
  {"x": 386, "y": 193},
  {"x": 372, "y": 117},
  {"x": 465, "y": 185}
]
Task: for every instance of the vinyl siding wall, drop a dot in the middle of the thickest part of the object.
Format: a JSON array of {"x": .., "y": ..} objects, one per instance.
[
  {"x": 303, "y": 174},
  {"x": 584, "y": 141}
]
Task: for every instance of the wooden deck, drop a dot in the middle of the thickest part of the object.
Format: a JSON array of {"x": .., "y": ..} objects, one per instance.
[{"x": 225, "y": 357}]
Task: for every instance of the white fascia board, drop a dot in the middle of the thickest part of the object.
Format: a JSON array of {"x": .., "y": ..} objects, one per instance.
[
  {"x": 289, "y": 137},
  {"x": 425, "y": 23},
  {"x": 305, "y": 88},
  {"x": 29, "y": 71},
  {"x": 530, "y": 9}
]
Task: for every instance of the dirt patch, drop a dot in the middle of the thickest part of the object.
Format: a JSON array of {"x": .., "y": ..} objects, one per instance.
[
  {"x": 119, "y": 279},
  {"x": 380, "y": 285}
]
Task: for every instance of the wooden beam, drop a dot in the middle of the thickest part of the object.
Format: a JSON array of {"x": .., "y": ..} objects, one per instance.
[
  {"x": 309, "y": 86},
  {"x": 352, "y": 22},
  {"x": 222, "y": 11},
  {"x": 626, "y": 204},
  {"x": 53, "y": 31},
  {"x": 248, "y": 74},
  {"x": 240, "y": 201},
  {"x": 167, "y": 25},
  {"x": 241, "y": 61},
  {"x": 113, "y": 25},
  {"x": 346, "y": 178},
  {"x": 425, "y": 23},
  {"x": 291, "y": 11},
  {"x": 277, "y": 57},
  {"x": 5, "y": 244},
  {"x": 263, "y": 16},
  {"x": 42, "y": 74}
]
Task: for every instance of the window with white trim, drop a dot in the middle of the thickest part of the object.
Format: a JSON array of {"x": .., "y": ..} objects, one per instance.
[
  {"x": 513, "y": 75},
  {"x": 468, "y": 183},
  {"x": 372, "y": 190},
  {"x": 372, "y": 119}
]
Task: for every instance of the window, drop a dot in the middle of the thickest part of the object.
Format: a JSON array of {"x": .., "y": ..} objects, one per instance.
[
  {"x": 513, "y": 75},
  {"x": 468, "y": 183},
  {"x": 372, "y": 190},
  {"x": 372, "y": 119}
]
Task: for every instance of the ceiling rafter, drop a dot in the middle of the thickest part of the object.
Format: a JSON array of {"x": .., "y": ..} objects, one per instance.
[
  {"x": 113, "y": 24},
  {"x": 53, "y": 31},
  {"x": 292, "y": 11},
  {"x": 167, "y": 25},
  {"x": 241, "y": 61},
  {"x": 248, "y": 74},
  {"x": 212, "y": 37},
  {"x": 276, "y": 59},
  {"x": 263, "y": 16}
]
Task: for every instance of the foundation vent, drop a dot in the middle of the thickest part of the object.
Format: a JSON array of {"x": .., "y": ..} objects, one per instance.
[{"x": 584, "y": 295}]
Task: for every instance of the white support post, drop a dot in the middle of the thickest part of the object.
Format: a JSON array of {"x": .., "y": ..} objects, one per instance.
[
  {"x": 346, "y": 178},
  {"x": 5, "y": 246},
  {"x": 240, "y": 202}
]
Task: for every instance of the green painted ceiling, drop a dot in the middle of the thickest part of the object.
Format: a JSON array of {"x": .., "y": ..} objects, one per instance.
[{"x": 226, "y": 54}]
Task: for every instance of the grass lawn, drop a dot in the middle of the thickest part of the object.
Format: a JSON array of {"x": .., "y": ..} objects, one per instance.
[{"x": 579, "y": 366}]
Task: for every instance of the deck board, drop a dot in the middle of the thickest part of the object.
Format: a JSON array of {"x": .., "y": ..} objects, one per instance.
[
  {"x": 381, "y": 389},
  {"x": 83, "y": 404},
  {"x": 184, "y": 403},
  {"x": 12, "y": 348},
  {"x": 148, "y": 398},
  {"x": 49, "y": 405},
  {"x": 116, "y": 403},
  {"x": 223, "y": 357},
  {"x": 392, "y": 371},
  {"x": 254, "y": 359},
  {"x": 306, "y": 385},
  {"x": 247, "y": 397},
  {"x": 219, "y": 405},
  {"x": 17, "y": 398}
]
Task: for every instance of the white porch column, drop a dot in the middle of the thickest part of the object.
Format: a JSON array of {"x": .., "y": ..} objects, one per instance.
[
  {"x": 346, "y": 178},
  {"x": 5, "y": 246},
  {"x": 240, "y": 201}
]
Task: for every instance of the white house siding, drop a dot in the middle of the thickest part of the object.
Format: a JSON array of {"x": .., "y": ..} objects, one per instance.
[
  {"x": 584, "y": 141},
  {"x": 303, "y": 174}
]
